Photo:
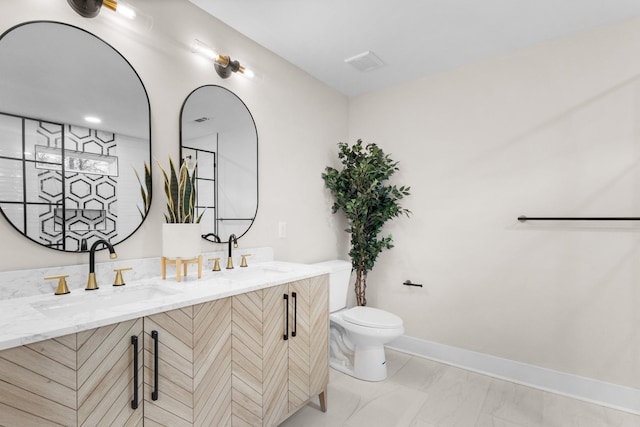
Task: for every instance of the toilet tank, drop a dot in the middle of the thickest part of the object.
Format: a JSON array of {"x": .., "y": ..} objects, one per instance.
[{"x": 339, "y": 277}]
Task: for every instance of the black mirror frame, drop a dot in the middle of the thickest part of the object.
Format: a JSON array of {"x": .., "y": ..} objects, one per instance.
[
  {"x": 208, "y": 235},
  {"x": 149, "y": 128}
]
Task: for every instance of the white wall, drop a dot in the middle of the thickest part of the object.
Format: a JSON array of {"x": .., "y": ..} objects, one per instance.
[
  {"x": 299, "y": 121},
  {"x": 551, "y": 130},
  {"x": 131, "y": 151},
  {"x": 548, "y": 131}
]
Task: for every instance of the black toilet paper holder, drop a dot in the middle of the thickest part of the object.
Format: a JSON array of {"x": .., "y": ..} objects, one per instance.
[{"x": 410, "y": 283}]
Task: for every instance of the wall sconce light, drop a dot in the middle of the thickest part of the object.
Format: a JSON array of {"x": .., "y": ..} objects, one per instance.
[
  {"x": 91, "y": 9},
  {"x": 223, "y": 64}
]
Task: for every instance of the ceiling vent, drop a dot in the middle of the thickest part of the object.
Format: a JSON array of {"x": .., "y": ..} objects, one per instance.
[{"x": 365, "y": 61}]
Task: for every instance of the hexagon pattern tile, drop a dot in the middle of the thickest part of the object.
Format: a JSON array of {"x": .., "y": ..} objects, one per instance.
[{"x": 91, "y": 208}]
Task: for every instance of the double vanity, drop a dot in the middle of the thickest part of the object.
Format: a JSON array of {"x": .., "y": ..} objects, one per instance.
[
  {"x": 247, "y": 346},
  {"x": 244, "y": 346}
]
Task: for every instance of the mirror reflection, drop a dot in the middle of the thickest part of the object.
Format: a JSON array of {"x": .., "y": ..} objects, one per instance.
[
  {"x": 219, "y": 134},
  {"x": 74, "y": 131}
]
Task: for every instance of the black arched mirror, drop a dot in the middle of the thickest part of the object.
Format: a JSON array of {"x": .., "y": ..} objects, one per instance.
[
  {"x": 218, "y": 132},
  {"x": 74, "y": 131}
]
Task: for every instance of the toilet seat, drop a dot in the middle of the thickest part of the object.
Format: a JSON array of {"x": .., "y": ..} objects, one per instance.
[{"x": 372, "y": 318}]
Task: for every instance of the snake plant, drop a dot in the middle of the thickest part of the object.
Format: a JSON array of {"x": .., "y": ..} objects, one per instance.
[
  {"x": 180, "y": 190},
  {"x": 145, "y": 190}
]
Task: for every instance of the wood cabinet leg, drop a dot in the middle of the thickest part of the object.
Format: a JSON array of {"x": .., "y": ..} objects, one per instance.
[{"x": 323, "y": 401}]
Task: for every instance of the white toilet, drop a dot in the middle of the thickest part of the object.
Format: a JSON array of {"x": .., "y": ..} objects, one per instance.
[{"x": 358, "y": 334}]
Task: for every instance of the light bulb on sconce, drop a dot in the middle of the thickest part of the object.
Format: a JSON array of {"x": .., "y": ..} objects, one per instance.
[
  {"x": 202, "y": 49},
  {"x": 248, "y": 73},
  {"x": 121, "y": 8},
  {"x": 223, "y": 64},
  {"x": 91, "y": 9}
]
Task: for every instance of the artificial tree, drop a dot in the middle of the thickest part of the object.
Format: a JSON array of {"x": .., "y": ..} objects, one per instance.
[{"x": 362, "y": 192}]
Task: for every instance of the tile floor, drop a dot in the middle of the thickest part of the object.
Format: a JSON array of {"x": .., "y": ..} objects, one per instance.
[{"x": 422, "y": 393}]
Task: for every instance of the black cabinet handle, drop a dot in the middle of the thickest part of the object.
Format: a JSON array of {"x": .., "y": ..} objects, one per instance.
[
  {"x": 134, "y": 342},
  {"x": 295, "y": 314},
  {"x": 154, "y": 393},
  {"x": 286, "y": 317}
]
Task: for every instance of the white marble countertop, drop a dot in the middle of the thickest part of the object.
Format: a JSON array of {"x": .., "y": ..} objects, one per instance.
[{"x": 35, "y": 318}]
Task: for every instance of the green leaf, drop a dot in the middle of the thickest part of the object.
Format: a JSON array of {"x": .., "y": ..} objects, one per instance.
[
  {"x": 145, "y": 190},
  {"x": 180, "y": 191},
  {"x": 361, "y": 191}
]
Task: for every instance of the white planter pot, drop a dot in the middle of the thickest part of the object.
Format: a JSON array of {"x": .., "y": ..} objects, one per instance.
[{"x": 181, "y": 240}]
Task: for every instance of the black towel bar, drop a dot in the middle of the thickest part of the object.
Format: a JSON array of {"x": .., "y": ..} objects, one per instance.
[{"x": 523, "y": 218}]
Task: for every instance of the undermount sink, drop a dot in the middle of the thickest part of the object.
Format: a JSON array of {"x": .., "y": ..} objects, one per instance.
[
  {"x": 83, "y": 302},
  {"x": 255, "y": 273}
]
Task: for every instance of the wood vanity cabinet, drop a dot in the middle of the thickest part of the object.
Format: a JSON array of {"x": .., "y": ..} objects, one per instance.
[
  {"x": 82, "y": 379},
  {"x": 309, "y": 357},
  {"x": 226, "y": 362},
  {"x": 279, "y": 350},
  {"x": 38, "y": 383},
  {"x": 87, "y": 379},
  {"x": 187, "y": 366},
  {"x": 105, "y": 381},
  {"x": 221, "y": 363}
]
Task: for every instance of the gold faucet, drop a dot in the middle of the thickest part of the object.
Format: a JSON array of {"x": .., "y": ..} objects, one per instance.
[
  {"x": 62, "y": 284},
  {"x": 233, "y": 239},
  {"x": 91, "y": 281},
  {"x": 243, "y": 262},
  {"x": 216, "y": 264},
  {"x": 119, "y": 280}
]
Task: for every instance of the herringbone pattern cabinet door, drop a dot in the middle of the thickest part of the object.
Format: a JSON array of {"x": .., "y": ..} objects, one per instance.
[
  {"x": 174, "y": 404},
  {"x": 212, "y": 364},
  {"x": 38, "y": 383},
  {"x": 299, "y": 349},
  {"x": 319, "y": 334},
  {"x": 275, "y": 366},
  {"x": 309, "y": 349},
  {"x": 193, "y": 366},
  {"x": 105, "y": 375},
  {"x": 246, "y": 356}
]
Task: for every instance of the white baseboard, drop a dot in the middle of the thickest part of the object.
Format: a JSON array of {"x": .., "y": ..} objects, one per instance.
[{"x": 602, "y": 393}]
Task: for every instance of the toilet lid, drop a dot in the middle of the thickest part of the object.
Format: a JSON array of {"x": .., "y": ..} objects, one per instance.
[{"x": 372, "y": 318}]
